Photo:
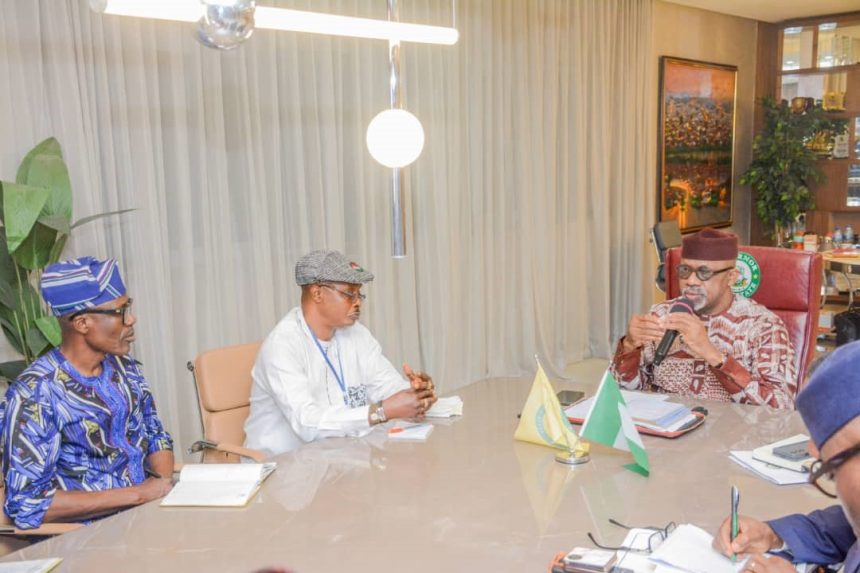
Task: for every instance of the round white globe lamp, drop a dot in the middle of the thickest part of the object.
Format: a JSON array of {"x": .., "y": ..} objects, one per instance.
[{"x": 395, "y": 138}]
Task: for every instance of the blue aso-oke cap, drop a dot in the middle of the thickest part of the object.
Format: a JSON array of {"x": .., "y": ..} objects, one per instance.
[
  {"x": 831, "y": 398},
  {"x": 79, "y": 284}
]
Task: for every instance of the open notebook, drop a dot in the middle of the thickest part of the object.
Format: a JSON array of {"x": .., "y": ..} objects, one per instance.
[{"x": 217, "y": 485}]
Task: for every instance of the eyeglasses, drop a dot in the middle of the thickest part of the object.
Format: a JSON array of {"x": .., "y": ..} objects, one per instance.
[
  {"x": 123, "y": 311},
  {"x": 349, "y": 295},
  {"x": 703, "y": 273},
  {"x": 655, "y": 538},
  {"x": 821, "y": 473}
]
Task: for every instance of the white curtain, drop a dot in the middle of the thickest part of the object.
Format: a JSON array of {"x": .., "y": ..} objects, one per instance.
[{"x": 527, "y": 211}]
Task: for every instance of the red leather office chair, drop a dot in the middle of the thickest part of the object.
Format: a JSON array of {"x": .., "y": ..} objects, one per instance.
[{"x": 790, "y": 287}]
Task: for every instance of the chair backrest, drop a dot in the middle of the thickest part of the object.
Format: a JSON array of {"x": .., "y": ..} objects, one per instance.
[
  {"x": 666, "y": 234},
  {"x": 223, "y": 379},
  {"x": 790, "y": 287}
]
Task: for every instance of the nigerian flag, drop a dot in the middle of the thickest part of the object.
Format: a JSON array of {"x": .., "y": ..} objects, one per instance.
[{"x": 609, "y": 423}]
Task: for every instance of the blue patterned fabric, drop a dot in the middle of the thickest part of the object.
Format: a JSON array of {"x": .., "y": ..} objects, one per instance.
[
  {"x": 63, "y": 430},
  {"x": 79, "y": 284}
]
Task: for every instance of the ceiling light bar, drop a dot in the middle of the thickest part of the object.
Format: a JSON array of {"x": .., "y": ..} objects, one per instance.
[{"x": 287, "y": 20}]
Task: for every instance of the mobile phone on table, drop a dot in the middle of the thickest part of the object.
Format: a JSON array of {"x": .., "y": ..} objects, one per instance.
[
  {"x": 793, "y": 452},
  {"x": 568, "y": 397}
]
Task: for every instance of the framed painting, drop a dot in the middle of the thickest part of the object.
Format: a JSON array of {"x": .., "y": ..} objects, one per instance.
[{"x": 697, "y": 126}]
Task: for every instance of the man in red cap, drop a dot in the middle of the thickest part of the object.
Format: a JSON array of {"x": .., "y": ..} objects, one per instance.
[{"x": 729, "y": 347}]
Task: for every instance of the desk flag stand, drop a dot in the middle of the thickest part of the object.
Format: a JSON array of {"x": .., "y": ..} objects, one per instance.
[{"x": 543, "y": 422}]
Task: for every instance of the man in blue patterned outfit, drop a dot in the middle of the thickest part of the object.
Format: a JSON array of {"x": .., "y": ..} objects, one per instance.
[
  {"x": 80, "y": 435},
  {"x": 831, "y": 409}
]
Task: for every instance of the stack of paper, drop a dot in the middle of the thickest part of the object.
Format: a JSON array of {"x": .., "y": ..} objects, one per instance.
[
  {"x": 648, "y": 410},
  {"x": 777, "y": 475},
  {"x": 446, "y": 407}
]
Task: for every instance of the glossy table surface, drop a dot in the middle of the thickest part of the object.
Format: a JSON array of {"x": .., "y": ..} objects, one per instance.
[{"x": 469, "y": 498}]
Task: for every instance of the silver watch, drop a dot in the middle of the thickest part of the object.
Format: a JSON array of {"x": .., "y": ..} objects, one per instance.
[{"x": 377, "y": 414}]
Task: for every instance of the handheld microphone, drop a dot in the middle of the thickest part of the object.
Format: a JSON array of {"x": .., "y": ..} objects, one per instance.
[{"x": 682, "y": 304}]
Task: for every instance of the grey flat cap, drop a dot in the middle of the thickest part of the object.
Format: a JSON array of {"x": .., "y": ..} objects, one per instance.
[{"x": 329, "y": 266}]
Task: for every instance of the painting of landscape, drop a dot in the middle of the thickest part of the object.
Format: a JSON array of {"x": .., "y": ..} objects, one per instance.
[{"x": 697, "y": 116}]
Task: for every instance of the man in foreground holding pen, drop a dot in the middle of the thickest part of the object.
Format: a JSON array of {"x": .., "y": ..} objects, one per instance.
[{"x": 830, "y": 407}]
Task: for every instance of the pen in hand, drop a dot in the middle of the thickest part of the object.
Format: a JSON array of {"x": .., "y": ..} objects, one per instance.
[
  {"x": 152, "y": 473},
  {"x": 736, "y": 498}
]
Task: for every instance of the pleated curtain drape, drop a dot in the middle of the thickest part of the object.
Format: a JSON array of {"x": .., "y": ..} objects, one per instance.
[{"x": 527, "y": 212}]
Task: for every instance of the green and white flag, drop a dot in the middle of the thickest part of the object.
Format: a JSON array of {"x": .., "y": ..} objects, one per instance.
[{"x": 609, "y": 423}]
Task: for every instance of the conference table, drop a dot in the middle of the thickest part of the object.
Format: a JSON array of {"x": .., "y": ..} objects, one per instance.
[{"x": 469, "y": 498}]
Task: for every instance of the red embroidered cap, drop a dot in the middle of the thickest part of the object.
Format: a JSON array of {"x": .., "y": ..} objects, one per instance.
[{"x": 710, "y": 245}]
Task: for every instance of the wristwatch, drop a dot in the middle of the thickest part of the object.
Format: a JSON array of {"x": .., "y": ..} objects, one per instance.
[{"x": 377, "y": 414}]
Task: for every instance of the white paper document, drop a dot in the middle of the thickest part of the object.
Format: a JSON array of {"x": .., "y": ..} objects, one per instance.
[
  {"x": 765, "y": 454},
  {"x": 446, "y": 408},
  {"x": 217, "y": 485},
  {"x": 688, "y": 548},
  {"x": 648, "y": 410},
  {"x": 777, "y": 475},
  {"x": 408, "y": 432},
  {"x": 32, "y": 566}
]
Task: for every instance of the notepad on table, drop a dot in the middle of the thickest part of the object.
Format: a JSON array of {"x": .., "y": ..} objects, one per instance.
[
  {"x": 408, "y": 432},
  {"x": 689, "y": 549},
  {"x": 446, "y": 408},
  {"x": 218, "y": 485},
  {"x": 774, "y": 474},
  {"x": 765, "y": 454},
  {"x": 31, "y": 566}
]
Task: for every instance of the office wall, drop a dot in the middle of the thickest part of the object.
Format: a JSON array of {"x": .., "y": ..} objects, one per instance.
[{"x": 696, "y": 34}]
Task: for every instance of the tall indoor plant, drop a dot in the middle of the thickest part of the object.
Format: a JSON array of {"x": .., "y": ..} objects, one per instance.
[
  {"x": 37, "y": 219},
  {"x": 783, "y": 166}
]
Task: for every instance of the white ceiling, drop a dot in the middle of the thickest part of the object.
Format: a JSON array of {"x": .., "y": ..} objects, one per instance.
[{"x": 774, "y": 10}]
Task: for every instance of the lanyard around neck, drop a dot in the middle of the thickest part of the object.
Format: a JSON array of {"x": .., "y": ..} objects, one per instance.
[{"x": 341, "y": 381}]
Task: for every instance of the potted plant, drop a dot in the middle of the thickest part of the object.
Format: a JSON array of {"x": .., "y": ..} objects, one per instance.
[
  {"x": 784, "y": 163},
  {"x": 37, "y": 220}
]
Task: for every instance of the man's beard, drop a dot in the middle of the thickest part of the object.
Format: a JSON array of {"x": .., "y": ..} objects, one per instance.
[{"x": 700, "y": 297}]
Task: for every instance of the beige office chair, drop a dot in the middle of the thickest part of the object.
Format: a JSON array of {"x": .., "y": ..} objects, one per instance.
[{"x": 223, "y": 380}]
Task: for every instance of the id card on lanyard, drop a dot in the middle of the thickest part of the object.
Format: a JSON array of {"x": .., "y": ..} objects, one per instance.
[{"x": 341, "y": 381}]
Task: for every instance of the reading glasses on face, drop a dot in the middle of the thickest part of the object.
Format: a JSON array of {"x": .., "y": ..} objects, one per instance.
[
  {"x": 349, "y": 295},
  {"x": 703, "y": 273},
  {"x": 123, "y": 311},
  {"x": 821, "y": 472}
]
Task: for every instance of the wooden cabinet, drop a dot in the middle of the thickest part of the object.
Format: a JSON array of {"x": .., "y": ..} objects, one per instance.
[{"x": 819, "y": 58}]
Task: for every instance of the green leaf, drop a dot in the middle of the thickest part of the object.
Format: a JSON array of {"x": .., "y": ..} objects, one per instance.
[
  {"x": 8, "y": 273},
  {"x": 59, "y": 223},
  {"x": 7, "y": 295},
  {"x": 12, "y": 369},
  {"x": 50, "y": 327},
  {"x": 7, "y": 322},
  {"x": 36, "y": 341},
  {"x": 35, "y": 252},
  {"x": 22, "y": 205},
  {"x": 50, "y": 172},
  {"x": 57, "y": 249},
  {"x": 49, "y": 146},
  {"x": 92, "y": 218}
]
